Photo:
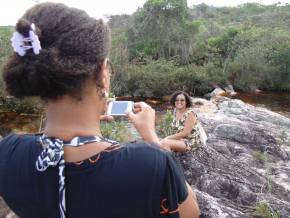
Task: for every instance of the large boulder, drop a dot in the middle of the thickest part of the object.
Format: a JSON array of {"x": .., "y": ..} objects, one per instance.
[
  {"x": 230, "y": 90},
  {"x": 216, "y": 92},
  {"x": 245, "y": 162}
]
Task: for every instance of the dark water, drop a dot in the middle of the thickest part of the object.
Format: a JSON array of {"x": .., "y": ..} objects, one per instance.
[
  {"x": 277, "y": 102},
  {"x": 14, "y": 122}
]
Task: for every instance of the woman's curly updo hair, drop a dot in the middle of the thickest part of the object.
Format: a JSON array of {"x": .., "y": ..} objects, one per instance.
[
  {"x": 74, "y": 46},
  {"x": 187, "y": 98}
]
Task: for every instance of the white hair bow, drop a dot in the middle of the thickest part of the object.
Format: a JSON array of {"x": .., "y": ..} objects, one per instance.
[{"x": 19, "y": 42}]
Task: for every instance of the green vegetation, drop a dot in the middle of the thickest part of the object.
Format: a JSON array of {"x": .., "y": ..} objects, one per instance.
[
  {"x": 166, "y": 45},
  {"x": 5, "y": 50},
  {"x": 10, "y": 103},
  {"x": 264, "y": 210},
  {"x": 283, "y": 139},
  {"x": 116, "y": 130},
  {"x": 164, "y": 128},
  {"x": 5, "y": 35},
  {"x": 25, "y": 105},
  {"x": 159, "y": 78},
  {"x": 259, "y": 156}
]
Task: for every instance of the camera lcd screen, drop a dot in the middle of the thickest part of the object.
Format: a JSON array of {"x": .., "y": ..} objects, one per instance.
[{"x": 119, "y": 107}]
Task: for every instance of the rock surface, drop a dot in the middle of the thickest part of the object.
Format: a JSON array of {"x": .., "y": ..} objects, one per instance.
[
  {"x": 216, "y": 92},
  {"x": 230, "y": 90},
  {"x": 245, "y": 163}
]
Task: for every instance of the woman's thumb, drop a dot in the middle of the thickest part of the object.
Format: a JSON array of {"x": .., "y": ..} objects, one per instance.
[{"x": 130, "y": 115}]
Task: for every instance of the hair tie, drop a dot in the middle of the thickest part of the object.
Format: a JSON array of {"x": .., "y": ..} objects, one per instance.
[{"x": 20, "y": 43}]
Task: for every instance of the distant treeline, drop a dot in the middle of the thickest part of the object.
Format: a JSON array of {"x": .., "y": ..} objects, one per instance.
[{"x": 166, "y": 45}]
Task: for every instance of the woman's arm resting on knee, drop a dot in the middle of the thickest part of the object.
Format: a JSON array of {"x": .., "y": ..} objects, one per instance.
[{"x": 189, "y": 208}]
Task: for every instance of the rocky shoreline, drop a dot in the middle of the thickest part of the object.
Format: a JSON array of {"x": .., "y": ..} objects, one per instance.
[{"x": 245, "y": 167}]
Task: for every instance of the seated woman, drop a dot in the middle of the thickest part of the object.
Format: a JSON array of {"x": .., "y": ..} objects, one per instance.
[{"x": 186, "y": 136}]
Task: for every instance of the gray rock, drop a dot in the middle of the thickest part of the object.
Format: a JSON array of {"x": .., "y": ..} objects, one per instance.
[
  {"x": 203, "y": 105},
  {"x": 237, "y": 133},
  {"x": 216, "y": 92},
  {"x": 230, "y": 90},
  {"x": 246, "y": 160}
]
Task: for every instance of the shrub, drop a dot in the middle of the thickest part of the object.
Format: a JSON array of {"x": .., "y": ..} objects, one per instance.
[
  {"x": 164, "y": 127},
  {"x": 159, "y": 78},
  {"x": 8, "y": 103},
  {"x": 259, "y": 156},
  {"x": 265, "y": 211},
  {"x": 25, "y": 105},
  {"x": 116, "y": 130},
  {"x": 282, "y": 138}
]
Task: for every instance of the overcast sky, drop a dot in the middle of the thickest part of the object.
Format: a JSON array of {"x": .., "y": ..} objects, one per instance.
[{"x": 11, "y": 10}]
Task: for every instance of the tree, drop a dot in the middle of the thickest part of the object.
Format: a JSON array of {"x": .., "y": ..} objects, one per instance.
[{"x": 162, "y": 29}]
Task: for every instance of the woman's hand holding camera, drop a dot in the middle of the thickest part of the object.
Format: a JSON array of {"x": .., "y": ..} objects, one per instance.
[{"x": 143, "y": 118}]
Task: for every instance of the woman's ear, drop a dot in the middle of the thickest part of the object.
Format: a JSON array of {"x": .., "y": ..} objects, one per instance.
[{"x": 105, "y": 75}]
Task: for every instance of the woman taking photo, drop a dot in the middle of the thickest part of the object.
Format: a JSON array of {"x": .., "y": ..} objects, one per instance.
[
  {"x": 186, "y": 135},
  {"x": 70, "y": 170}
]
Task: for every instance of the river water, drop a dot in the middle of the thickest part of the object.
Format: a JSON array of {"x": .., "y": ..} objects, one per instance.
[{"x": 277, "y": 102}]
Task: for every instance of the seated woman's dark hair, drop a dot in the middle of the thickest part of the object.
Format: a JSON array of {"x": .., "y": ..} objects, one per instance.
[
  {"x": 74, "y": 46},
  {"x": 187, "y": 98}
]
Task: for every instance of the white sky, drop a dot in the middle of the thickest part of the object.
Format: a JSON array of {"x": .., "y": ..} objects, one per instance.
[{"x": 11, "y": 10}]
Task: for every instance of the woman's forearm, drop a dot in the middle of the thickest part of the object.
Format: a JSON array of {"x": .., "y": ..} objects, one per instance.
[
  {"x": 189, "y": 208},
  {"x": 151, "y": 137},
  {"x": 178, "y": 136}
]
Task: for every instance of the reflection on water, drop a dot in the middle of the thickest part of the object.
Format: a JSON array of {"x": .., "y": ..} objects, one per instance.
[{"x": 277, "y": 102}]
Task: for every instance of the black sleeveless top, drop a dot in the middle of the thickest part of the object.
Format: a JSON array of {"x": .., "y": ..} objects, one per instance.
[{"x": 134, "y": 180}]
